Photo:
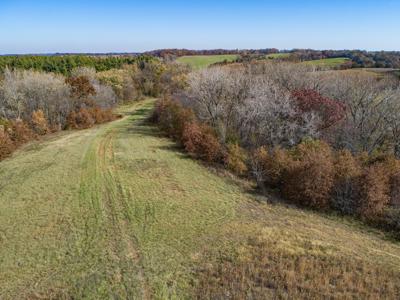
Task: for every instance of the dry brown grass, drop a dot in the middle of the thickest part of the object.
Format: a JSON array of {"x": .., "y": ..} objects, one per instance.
[{"x": 260, "y": 269}]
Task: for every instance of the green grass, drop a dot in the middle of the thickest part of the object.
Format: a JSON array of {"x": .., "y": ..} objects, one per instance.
[
  {"x": 278, "y": 55},
  {"x": 119, "y": 212},
  {"x": 327, "y": 62},
  {"x": 203, "y": 61}
]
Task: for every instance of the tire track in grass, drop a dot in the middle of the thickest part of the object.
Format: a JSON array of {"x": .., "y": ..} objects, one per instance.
[
  {"x": 127, "y": 227},
  {"x": 122, "y": 238}
]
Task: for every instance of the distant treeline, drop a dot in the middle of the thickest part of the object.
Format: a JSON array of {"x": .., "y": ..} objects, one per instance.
[
  {"x": 65, "y": 64},
  {"x": 164, "y": 53},
  {"x": 359, "y": 58}
]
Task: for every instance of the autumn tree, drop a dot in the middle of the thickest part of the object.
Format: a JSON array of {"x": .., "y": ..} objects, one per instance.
[
  {"x": 81, "y": 88},
  {"x": 39, "y": 122},
  {"x": 329, "y": 110}
]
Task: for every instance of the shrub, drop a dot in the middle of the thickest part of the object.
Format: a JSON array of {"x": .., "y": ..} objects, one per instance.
[
  {"x": 347, "y": 169},
  {"x": 373, "y": 191},
  {"x": 201, "y": 142},
  {"x": 392, "y": 168},
  {"x": 39, "y": 122},
  {"x": 71, "y": 120},
  {"x": 12, "y": 135},
  {"x": 6, "y": 144},
  {"x": 172, "y": 118},
  {"x": 276, "y": 165},
  {"x": 236, "y": 158},
  {"x": 20, "y": 133},
  {"x": 270, "y": 167},
  {"x": 390, "y": 220},
  {"x": 100, "y": 115},
  {"x": 395, "y": 190},
  {"x": 308, "y": 179},
  {"x": 80, "y": 120},
  {"x": 4, "y": 124},
  {"x": 257, "y": 161}
]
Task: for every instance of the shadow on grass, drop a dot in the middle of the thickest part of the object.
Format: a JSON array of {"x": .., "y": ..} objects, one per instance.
[
  {"x": 139, "y": 112},
  {"x": 142, "y": 130}
]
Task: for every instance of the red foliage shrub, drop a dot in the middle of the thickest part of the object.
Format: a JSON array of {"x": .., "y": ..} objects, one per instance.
[
  {"x": 6, "y": 144},
  {"x": 331, "y": 111},
  {"x": 20, "y": 133},
  {"x": 71, "y": 120},
  {"x": 39, "y": 122},
  {"x": 373, "y": 191},
  {"x": 391, "y": 166},
  {"x": 80, "y": 120},
  {"x": 201, "y": 142},
  {"x": 308, "y": 178},
  {"x": 100, "y": 115},
  {"x": 12, "y": 135},
  {"x": 87, "y": 117}
]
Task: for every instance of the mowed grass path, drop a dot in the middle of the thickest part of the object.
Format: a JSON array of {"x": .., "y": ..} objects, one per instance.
[
  {"x": 118, "y": 212},
  {"x": 198, "y": 62}
]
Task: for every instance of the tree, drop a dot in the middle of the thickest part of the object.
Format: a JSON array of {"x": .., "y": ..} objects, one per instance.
[
  {"x": 371, "y": 111},
  {"x": 215, "y": 94},
  {"x": 329, "y": 110},
  {"x": 268, "y": 117},
  {"x": 23, "y": 92},
  {"x": 39, "y": 122},
  {"x": 81, "y": 87}
]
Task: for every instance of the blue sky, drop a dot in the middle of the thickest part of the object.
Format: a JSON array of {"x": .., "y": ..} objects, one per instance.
[{"x": 129, "y": 26}]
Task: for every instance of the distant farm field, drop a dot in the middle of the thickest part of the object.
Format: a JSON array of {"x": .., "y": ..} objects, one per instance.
[
  {"x": 328, "y": 62},
  {"x": 203, "y": 61},
  {"x": 278, "y": 55}
]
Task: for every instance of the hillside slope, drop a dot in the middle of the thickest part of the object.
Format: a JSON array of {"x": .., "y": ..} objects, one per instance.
[
  {"x": 117, "y": 211},
  {"x": 198, "y": 62}
]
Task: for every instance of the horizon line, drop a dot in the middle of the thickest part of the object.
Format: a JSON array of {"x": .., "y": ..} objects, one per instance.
[{"x": 187, "y": 49}]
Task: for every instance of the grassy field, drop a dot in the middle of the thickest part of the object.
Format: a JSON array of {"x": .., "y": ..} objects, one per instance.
[
  {"x": 278, "y": 55},
  {"x": 203, "y": 61},
  {"x": 327, "y": 62},
  {"x": 376, "y": 72},
  {"x": 118, "y": 212}
]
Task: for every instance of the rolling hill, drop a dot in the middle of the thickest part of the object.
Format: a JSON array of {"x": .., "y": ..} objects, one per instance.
[
  {"x": 118, "y": 211},
  {"x": 202, "y": 61}
]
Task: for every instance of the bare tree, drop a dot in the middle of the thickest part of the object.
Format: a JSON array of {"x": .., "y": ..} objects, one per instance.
[
  {"x": 24, "y": 92},
  {"x": 27, "y": 91},
  {"x": 103, "y": 96},
  {"x": 269, "y": 117},
  {"x": 252, "y": 106},
  {"x": 372, "y": 111},
  {"x": 288, "y": 76},
  {"x": 215, "y": 94}
]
